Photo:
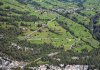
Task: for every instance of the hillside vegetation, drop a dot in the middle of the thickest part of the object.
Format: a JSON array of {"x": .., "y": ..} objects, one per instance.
[{"x": 40, "y": 27}]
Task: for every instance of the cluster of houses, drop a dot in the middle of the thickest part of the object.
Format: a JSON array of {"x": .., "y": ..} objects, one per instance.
[
  {"x": 61, "y": 10},
  {"x": 14, "y": 45}
]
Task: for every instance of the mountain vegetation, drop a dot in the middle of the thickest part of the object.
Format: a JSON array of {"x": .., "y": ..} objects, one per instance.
[{"x": 32, "y": 29}]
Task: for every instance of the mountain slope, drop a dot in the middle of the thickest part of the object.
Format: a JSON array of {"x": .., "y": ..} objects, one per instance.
[{"x": 54, "y": 26}]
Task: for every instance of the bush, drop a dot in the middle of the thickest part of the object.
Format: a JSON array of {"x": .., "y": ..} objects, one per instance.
[
  {"x": 7, "y": 7},
  {"x": 1, "y": 3}
]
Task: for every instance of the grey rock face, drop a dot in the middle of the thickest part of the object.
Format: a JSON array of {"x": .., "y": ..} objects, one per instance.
[
  {"x": 61, "y": 67},
  {"x": 7, "y": 64}
]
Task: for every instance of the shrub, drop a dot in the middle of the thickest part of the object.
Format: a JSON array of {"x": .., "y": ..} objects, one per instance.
[
  {"x": 7, "y": 7},
  {"x": 1, "y": 3}
]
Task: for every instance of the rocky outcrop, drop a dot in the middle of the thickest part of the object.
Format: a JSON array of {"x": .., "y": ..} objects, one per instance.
[
  {"x": 7, "y": 64},
  {"x": 60, "y": 67}
]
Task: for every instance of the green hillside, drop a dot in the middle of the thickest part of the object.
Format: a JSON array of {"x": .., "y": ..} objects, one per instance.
[{"x": 46, "y": 26}]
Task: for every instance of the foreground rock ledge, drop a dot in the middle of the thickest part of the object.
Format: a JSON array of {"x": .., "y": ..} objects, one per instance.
[{"x": 60, "y": 67}]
